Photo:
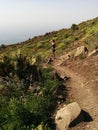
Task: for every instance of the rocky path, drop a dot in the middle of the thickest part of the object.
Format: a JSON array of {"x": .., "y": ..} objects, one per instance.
[{"x": 80, "y": 91}]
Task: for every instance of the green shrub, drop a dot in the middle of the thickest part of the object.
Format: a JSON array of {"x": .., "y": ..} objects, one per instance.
[
  {"x": 6, "y": 67},
  {"x": 67, "y": 35},
  {"x": 76, "y": 38},
  {"x": 21, "y": 109},
  {"x": 74, "y": 27},
  {"x": 2, "y": 46}
]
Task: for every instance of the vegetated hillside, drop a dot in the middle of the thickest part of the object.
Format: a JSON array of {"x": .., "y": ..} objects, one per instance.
[
  {"x": 66, "y": 39},
  {"x": 30, "y": 93}
]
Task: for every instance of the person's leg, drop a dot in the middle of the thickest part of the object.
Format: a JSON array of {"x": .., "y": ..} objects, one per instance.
[{"x": 54, "y": 55}]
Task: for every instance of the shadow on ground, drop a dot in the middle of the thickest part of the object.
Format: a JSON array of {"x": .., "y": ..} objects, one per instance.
[{"x": 83, "y": 117}]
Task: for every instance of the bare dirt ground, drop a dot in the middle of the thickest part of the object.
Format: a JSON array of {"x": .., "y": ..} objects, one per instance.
[{"x": 83, "y": 86}]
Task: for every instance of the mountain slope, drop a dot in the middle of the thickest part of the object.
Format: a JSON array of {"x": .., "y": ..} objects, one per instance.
[
  {"x": 66, "y": 39},
  {"x": 82, "y": 70}
]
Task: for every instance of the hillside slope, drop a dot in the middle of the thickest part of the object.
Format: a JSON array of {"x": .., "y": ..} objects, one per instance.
[
  {"x": 83, "y": 86},
  {"x": 82, "y": 70},
  {"x": 86, "y": 33}
]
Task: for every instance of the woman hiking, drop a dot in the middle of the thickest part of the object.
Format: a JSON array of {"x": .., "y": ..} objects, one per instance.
[{"x": 53, "y": 47}]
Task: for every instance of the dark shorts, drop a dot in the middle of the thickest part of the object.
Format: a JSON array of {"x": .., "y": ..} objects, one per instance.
[{"x": 53, "y": 50}]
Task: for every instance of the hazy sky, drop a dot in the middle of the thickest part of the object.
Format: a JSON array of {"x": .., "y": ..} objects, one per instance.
[{"x": 23, "y": 19}]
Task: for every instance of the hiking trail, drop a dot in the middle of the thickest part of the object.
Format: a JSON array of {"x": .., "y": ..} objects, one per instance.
[{"x": 81, "y": 90}]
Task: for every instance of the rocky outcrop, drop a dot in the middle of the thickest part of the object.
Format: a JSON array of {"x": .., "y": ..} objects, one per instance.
[
  {"x": 81, "y": 50},
  {"x": 66, "y": 115},
  {"x": 94, "y": 52}
]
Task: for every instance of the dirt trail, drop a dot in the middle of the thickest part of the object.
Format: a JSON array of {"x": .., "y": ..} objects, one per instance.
[{"x": 82, "y": 92}]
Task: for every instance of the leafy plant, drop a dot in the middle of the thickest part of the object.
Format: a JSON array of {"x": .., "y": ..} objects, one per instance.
[
  {"x": 21, "y": 109},
  {"x": 74, "y": 27}
]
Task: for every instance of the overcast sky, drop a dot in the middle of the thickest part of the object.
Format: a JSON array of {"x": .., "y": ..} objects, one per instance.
[{"x": 23, "y": 19}]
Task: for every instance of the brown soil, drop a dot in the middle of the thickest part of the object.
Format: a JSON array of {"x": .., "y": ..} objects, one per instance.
[{"x": 83, "y": 86}]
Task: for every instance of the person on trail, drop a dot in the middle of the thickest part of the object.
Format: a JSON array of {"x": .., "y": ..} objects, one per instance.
[{"x": 53, "y": 47}]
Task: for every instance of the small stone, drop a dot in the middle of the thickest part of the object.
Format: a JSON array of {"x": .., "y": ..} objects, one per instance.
[
  {"x": 94, "y": 114},
  {"x": 87, "y": 126}
]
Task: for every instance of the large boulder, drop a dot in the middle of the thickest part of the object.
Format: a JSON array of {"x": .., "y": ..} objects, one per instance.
[
  {"x": 74, "y": 109},
  {"x": 66, "y": 115},
  {"x": 81, "y": 50}
]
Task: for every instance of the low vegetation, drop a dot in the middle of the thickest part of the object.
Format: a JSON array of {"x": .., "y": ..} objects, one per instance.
[{"x": 28, "y": 96}]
